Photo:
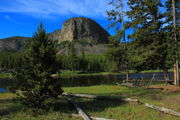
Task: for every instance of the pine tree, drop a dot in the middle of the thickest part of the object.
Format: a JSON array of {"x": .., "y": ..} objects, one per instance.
[
  {"x": 147, "y": 22},
  {"x": 169, "y": 29},
  {"x": 73, "y": 60},
  {"x": 34, "y": 75}
]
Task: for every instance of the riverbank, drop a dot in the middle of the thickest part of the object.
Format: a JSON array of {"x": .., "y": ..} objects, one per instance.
[
  {"x": 101, "y": 108},
  {"x": 79, "y": 73},
  {"x": 5, "y": 75}
]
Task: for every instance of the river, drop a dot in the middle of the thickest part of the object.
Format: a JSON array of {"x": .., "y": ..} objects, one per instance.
[{"x": 95, "y": 80}]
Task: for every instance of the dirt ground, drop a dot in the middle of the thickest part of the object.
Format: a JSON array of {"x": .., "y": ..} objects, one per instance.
[{"x": 168, "y": 88}]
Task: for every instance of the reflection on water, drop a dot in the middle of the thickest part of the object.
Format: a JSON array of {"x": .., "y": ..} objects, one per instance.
[
  {"x": 2, "y": 90},
  {"x": 90, "y": 80},
  {"x": 157, "y": 76},
  {"x": 95, "y": 80}
]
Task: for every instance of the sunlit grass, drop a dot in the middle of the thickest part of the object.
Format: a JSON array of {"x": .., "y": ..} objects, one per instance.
[
  {"x": 5, "y": 75},
  {"x": 101, "y": 108}
]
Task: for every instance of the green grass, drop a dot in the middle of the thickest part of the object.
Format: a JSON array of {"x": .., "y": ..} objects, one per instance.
[
  {"x": 5, "y": 75},
  {"x": 78, "y": 73},
  {"x": 117, "y": 110},
  {"x": 138, "y": 92},
  {"x": 12, "y": 110},
  {"x": 101, "y": 108},
  {"x": 155, "y": 71}
]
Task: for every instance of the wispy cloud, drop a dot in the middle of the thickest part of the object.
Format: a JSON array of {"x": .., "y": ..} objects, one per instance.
[
  {"x": 51, "y": 8},
  {"x": 12, "y": 20}
]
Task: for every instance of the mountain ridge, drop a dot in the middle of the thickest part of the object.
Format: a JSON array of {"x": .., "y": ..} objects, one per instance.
[{"x": 76, "y": 28}]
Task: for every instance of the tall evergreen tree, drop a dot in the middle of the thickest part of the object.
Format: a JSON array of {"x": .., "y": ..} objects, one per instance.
[
  {"x": 34, "y": 75},
  {"x": 147, "y": 22},
  {"x": 169, "y": 29},
  {"x": 73, "y": 60}
]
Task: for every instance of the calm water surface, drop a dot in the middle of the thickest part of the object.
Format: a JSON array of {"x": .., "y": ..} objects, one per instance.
[{"x": 94, "y": 80}]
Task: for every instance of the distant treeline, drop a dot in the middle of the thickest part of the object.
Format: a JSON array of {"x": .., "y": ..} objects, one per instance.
[
  {"x": 89, "y": 63},
  {"x": 9, "y": 60}
]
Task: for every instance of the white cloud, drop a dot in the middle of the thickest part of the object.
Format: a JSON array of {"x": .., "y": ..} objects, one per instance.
[{"x": 51, "y": 8}]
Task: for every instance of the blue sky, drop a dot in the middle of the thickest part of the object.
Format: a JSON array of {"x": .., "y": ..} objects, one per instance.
[{"x": 22, "y": 17}]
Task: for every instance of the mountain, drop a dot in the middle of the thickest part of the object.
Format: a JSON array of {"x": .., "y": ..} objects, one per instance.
[
  {"x": 77, "y": 28},
  {"x": 80, "y": 28},
  {"x": 13, "y": 44}
]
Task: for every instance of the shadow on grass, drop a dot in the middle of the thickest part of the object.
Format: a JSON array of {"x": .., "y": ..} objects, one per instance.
[
  {"x": 91, "y": 105},
  {"x": 62, "y": 105},
  {"x": 88, "y": 105},
  {"x": 8, "y": 106}
]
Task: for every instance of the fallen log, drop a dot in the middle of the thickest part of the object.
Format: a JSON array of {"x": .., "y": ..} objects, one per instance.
[
  {"x": 125, "y": 84},
  {"x": 80, "y": 111},
  {"x": 92, "y": 117},
  {"x": 148, "y": 81},
  {"x": 162, "y": 109},
  {"x": 100, "y": 97}
]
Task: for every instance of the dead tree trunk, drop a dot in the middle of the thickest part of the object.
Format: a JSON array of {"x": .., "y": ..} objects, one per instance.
[
  {"x": 100, "y": 97},
  {"x": 162, "y": 109},
  {"x": 124, "y": 38},
  {"x": 176, "y": 67},
  {"x": 92, "y": 117},
  {"x": 166, "y": 75},
  {"x": 80, "y": 111}
]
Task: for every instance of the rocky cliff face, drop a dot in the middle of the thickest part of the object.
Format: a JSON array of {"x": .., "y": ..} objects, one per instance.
[
  {"x": 13, "y": 43},
  {"x": 80, "y": 28},
  {"x": 77, "y": 28}
]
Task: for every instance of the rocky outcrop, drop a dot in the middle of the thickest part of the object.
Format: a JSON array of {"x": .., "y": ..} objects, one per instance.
[
  {"x": 80, "y": 28},
  {"x": 77, "y": 28},
  {"x": 13, "y": 43}
]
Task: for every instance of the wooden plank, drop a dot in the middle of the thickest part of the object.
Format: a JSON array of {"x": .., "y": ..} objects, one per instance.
[
  {"x": 80, "y": 111},
  {"x": 162, "y": 109},
  {"x": 100, "y": 97}
]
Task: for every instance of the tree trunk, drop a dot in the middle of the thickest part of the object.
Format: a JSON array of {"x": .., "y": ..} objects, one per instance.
[
  {"x": 166, "y": 75},
  {"x": 176, "y": 67},
  {"x": 175, "y": 75}
]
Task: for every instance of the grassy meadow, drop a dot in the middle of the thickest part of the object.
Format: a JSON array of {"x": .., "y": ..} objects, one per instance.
[{"x": 11, "y": 110}]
